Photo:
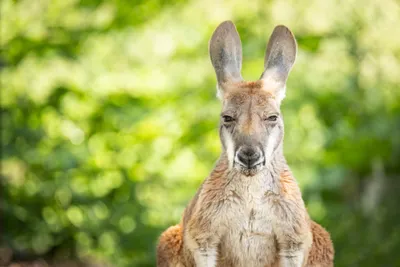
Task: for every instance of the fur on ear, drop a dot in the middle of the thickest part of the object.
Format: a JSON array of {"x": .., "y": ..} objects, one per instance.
[
  {"x": 226, "y": 54},
  {"x": 279, "y": 58}
]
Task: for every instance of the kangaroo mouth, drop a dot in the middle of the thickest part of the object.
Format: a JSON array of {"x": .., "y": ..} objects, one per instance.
[{"x": 247, "y": 170}]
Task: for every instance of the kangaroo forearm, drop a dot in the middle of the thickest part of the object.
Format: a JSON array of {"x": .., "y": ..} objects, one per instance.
[
  {"x": 204, "y": 253},
  {"x": 294, "y": 241},
  {"x": 203, "y": 245},
  {"x": 293, "y": 257},
  {"x": 205, "y": 256}
]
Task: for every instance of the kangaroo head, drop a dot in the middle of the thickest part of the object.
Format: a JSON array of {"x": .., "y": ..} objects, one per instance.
[{"x": 251, "y": 125}]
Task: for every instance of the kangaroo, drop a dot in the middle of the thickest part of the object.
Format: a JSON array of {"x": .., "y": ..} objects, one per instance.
[{"x": 249, "y": 211}]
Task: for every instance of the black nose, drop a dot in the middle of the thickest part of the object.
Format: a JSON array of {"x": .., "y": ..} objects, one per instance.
[{"x": 249, "y": 156}]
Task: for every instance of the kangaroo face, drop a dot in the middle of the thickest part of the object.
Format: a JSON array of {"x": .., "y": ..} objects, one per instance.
[{"x": 251, "y": 126}]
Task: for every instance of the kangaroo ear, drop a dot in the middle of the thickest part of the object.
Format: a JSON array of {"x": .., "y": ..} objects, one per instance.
[
  {"x": 226, "y": 53},
  {"x": 279, "y": 58}
]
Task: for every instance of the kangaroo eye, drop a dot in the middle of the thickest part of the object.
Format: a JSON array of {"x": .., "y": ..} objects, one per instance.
[
  {"x": 228, "y": 118},
  {"x": 272, "y": 118}
]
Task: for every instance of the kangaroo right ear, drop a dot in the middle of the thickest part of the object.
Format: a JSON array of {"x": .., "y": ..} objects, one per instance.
[
  {"x": 279, "y": 58},
  {"x": 226, "y": 53}
]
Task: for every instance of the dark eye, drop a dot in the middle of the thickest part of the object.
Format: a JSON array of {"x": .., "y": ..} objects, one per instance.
[
  {"x": 228, "y": 118},
  {"x": 272, "y": 118}
]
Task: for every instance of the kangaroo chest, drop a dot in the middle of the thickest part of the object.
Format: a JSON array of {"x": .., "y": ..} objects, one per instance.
[{"x": 249, "y": 238}]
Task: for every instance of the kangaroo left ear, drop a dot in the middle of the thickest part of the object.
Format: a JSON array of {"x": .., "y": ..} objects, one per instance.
[
  {"x": 226, "y": 54},
  {"x": 279, "y": 59}
]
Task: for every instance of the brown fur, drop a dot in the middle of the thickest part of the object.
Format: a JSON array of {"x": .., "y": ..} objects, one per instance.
[
  {"x": 322, "y": 252},
  {"x": 249, "y": 211},
  {"x": 171, "y": 242},
  {"x": 171, "y": 251},
  {"x": 246, "y": 89}
]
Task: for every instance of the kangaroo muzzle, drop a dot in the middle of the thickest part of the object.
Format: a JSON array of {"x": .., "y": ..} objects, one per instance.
[{"x": 249, "y": 157}]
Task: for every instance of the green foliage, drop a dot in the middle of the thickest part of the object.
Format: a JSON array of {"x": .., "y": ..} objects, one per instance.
[{"x": 109, "y": 120}]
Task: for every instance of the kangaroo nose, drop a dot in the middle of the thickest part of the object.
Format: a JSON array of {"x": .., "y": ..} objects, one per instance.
[{"x": 249, "y": 156}]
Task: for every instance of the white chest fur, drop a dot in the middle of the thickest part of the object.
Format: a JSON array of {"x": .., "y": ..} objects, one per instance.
[{"x": 247, "y": 219}]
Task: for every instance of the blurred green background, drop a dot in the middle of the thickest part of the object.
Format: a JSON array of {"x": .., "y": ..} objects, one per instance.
[{"x": 109, "y": 122}]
